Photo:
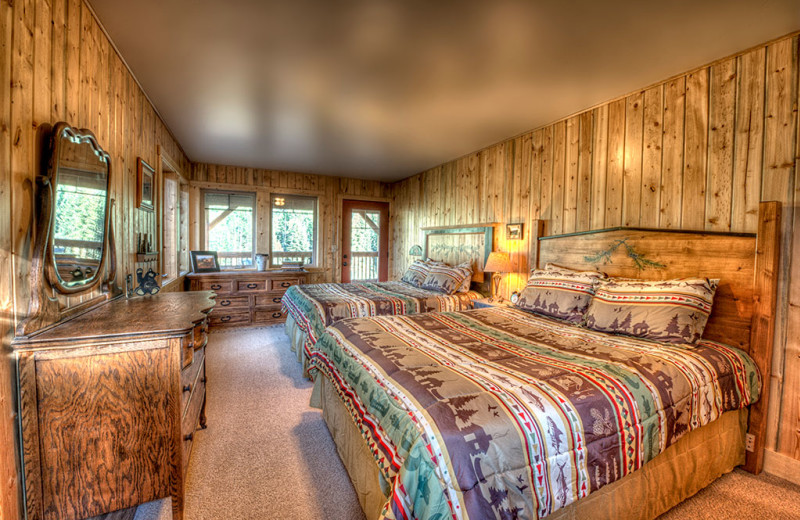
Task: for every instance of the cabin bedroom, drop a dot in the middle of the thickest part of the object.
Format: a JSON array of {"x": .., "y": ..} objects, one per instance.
[{"x": 378, "y": 260}]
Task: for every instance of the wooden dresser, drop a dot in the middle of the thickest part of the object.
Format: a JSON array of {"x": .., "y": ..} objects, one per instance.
[
  {"x": 110, "y": 401},
  {"x": 246, "y": 297}
]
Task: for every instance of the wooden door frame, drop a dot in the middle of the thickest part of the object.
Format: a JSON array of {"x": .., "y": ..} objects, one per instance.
[{"x": 383, "y": 245}]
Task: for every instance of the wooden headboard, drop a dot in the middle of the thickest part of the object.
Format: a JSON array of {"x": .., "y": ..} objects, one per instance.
[
  {"x": 743, "y": 313},
  {"x": 458, "y": 244}
]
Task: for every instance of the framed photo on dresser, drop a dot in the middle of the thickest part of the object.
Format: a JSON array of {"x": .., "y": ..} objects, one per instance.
[{"x": 204, "y": 262}]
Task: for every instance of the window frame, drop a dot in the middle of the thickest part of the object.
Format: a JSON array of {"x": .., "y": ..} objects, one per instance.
[
  {"x": 204, "y": 226},
  {"x": 314, "y": 263},
  {"x": 173, "y": 259}
]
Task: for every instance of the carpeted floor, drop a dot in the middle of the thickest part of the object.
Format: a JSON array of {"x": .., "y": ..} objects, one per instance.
[{"x": 267, "y": 455}]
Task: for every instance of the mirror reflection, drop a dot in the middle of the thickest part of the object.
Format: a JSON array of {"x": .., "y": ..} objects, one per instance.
[{"x": 81, "y": 193}]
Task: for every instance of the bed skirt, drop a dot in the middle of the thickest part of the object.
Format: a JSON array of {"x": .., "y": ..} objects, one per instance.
[
  {"x": 695, "y": 461},
  {"x": 297, "y": 338}
]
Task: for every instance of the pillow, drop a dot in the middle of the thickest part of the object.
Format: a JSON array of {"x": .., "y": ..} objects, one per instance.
[
  {"x": 669, "y": 311},
  {"x": 559, "y": 292},
  {"x": 468, "y": 280},
  {"x": 445, "y": 279},
  {"x": 416, "y": 273}
]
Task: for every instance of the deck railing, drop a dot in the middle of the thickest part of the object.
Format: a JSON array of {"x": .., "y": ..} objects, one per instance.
[{"x": 364, "y": 267}]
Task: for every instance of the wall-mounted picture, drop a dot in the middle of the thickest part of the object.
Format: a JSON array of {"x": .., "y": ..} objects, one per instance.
[
  {"x": 204, "y": 262},
  {"x": 145, "y": 186},
  {"x": 513, "y": 231}
]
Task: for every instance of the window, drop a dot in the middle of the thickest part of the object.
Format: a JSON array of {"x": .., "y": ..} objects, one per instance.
[
  {"x": 230, "y": 227},
  {"x": 170, "y": 239},
  {"x": 294, "y": 229},
  {"x": 183, "y": 252}
]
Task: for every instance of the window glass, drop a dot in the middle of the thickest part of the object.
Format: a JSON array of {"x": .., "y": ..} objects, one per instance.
[
  {"x": 229, "y": 227},
  {"x": 294, "y": 229}
]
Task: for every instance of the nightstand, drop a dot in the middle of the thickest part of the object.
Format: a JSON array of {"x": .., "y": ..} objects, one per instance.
[{"x": 484, "y": 303}]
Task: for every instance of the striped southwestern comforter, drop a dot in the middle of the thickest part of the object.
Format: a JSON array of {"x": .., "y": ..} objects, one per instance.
[
  {"x": 499, "y": 413},
  {"x": 315, "y": 306}
]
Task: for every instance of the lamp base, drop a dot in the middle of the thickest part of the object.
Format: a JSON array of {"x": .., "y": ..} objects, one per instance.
[{"x": 496, "y": 288}]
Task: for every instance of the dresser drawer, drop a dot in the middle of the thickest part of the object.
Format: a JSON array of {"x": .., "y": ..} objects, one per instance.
[
  {"x": 189, "y": 378},
  {"x": 281, "y": 284},
  {"x": 229, "y": 317},
  {"x": 251, "y": 286},
  {"x": 268, "y": 316},
  {"x": 233, "y": 302},
  {"x": 218, "y": 286},
  {"x": 269, "y": 300},
  {"x": 192, "y": 417}
]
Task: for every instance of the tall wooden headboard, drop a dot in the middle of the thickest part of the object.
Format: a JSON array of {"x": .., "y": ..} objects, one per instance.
[
  {"x": 743, "y": 313},
  {"x": 458, "y": 244}
]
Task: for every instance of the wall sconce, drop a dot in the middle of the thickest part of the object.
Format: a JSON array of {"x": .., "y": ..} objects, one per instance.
[
  {"x": 279, "y": 201},
  {"x": 497, "y": 263},
  {"x": 416, "y": 250}
]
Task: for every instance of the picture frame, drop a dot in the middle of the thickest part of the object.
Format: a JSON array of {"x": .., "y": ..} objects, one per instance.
[
  {"x": 145, "y": 185},
  {"x": 204, "y": 262},
  {"x": 514, "y": 231}
]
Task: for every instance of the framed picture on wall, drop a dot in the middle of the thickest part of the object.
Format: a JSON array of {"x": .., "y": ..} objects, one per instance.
[
  {"x": 145, "y": 185},
  {"x": 204, "y": 262},
  {"x": 513, "y": 231}
]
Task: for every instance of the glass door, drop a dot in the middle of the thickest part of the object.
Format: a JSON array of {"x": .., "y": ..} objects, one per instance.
[{"x": 365, "y": 248}]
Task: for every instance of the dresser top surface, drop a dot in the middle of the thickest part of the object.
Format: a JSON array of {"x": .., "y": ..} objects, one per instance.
[
  {"x": 269, "y": 273},
  {"x": 169, "y": 313}
]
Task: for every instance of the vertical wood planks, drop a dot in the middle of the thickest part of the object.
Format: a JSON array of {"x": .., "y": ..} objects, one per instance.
[
  {"x": 671, "y": 203},
  {"x": 720, "y": 146},
  {"x": 695, "y": 153},
  {"x": 651, "y": 157},
  {"x": 632, "y": 169},
  {"x": 616, "y": 153}
]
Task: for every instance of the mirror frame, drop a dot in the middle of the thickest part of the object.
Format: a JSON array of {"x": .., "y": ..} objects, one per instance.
[{"x": 49, "y": 188}]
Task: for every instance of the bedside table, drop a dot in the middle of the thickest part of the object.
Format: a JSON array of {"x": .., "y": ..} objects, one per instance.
[{"x": 484, "y": 303}]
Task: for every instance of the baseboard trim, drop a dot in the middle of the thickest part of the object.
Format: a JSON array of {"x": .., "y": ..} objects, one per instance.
[{"x": 782, "y": 466}]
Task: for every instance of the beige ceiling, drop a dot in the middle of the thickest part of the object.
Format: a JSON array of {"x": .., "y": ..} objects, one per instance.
[{"x": 384, "y": 89}]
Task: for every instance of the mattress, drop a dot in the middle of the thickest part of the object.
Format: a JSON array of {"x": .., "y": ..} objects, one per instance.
[{"x": 499, "y": 413}]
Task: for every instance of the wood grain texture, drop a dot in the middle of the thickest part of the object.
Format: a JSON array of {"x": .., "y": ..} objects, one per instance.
[
  {"x": 728, "y": 140},
  {"x": 121, "y": 398}
]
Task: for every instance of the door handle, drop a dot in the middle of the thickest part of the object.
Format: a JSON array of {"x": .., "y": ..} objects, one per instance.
[{"x": 344, "y": 264}]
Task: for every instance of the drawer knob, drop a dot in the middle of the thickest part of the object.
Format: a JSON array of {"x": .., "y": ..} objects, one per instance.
[
  {"x": 225, "y": 303},
  {"x": 276, "y": 314},
  {"x": 188, "y": 437},
  {"x": 286, "y": 284},
  {"x": 216, "y": 286},
  {"x": 252, "y": 285},
  {"x": 225, "y": 318},
  {"x": 276, "y": 300},
  {"x": 187, "y": 388}
]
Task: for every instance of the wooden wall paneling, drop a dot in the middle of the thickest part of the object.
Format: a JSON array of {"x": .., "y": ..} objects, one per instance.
[
  {"x": 546, "y": 181},
  {"x": 583, "y": 215},
  {"x": 632, "y": 168},
  {"x": 614, "y": 168},
  {"x": 559, "y": 171},
  {"x": 653, "y": 136},
  {"x": 9, "y": 500},
  {"x": 695, "y": 153},
  {"x": 599, "y": 167},
  {"x": 569, "y": 221},
  {"x": 671, "y": 203},
  {"x": 722, "y": 96}
]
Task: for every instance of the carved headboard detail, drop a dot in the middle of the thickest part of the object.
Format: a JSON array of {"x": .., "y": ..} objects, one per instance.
[
  {"x": 459, "y": 244},
  {"x": 743, "y": 313}
]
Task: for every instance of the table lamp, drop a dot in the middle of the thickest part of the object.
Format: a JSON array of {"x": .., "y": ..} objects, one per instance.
[{"x": 497, "y": 263}]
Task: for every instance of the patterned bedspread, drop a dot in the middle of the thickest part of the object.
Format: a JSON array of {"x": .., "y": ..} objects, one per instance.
[
  {"x": 498, "y": 413},
  {"x": 315, "y": 306}
]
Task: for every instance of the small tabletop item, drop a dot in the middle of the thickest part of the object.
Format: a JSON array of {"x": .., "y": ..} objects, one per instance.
[
  {"x": 489, "y": 302},
  {"x": 514, "y": 297}
]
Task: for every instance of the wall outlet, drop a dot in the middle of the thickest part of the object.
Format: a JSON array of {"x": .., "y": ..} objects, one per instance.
[{"x": 750, "y": 442}]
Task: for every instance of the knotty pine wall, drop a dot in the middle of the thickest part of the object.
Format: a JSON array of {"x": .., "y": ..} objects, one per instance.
[
  {"x": 698, "y": 151},
  {"x": 56, "y": 64},
  {"x": 329, "y": 190}
]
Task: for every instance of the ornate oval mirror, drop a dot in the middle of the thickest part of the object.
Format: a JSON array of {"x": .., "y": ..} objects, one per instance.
[{"x": 79, "y": 181}]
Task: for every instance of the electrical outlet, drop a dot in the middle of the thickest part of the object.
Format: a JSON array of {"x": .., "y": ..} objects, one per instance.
[{"x": 750, "y": 442}]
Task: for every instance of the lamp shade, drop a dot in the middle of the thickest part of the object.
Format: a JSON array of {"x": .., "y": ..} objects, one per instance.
[
  {"x": 498, "y": 262},
  {"x": 416, "y": 250}
]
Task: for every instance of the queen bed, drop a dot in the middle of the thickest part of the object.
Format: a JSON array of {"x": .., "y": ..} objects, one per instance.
[
  {"x": 311, "y": 308},
  {"x": 504, "y": 413}
]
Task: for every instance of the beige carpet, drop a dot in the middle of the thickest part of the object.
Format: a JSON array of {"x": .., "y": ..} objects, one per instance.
[{"x": 267, "y": 455}]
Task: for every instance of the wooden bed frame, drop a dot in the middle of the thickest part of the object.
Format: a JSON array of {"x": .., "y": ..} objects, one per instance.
[{"x": 743, "y": 314}]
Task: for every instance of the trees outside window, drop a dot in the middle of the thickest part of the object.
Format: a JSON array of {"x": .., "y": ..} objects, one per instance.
[{"x": 294, "y": 229}]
